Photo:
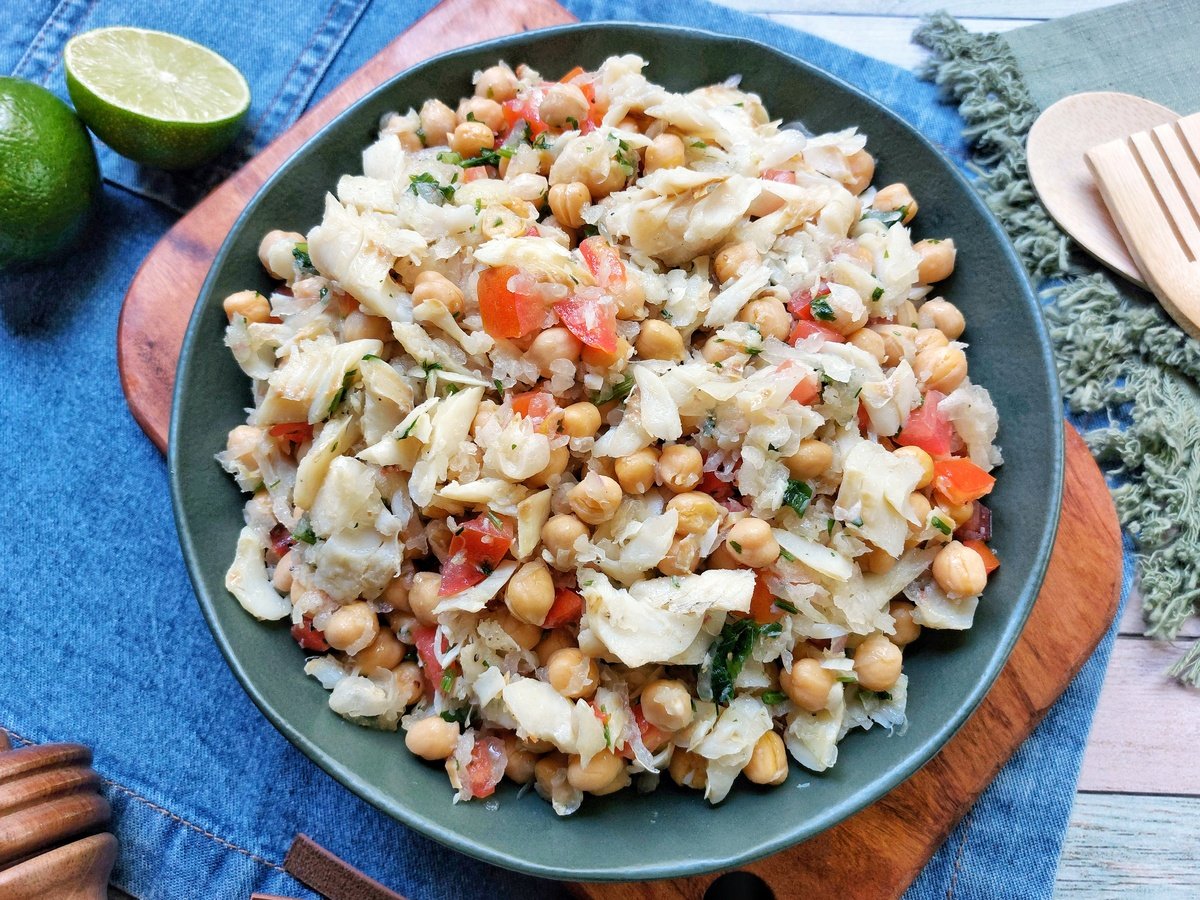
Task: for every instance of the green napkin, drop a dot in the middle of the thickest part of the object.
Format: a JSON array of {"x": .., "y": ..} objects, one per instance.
[{"x": 1130, "y": 376}]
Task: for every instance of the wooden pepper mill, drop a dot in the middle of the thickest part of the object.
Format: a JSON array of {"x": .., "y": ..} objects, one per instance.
[{"x": 51, "y": 816}]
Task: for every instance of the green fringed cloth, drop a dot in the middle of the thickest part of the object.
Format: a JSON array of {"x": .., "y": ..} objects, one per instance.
[{"x": 1130, "y": 376}]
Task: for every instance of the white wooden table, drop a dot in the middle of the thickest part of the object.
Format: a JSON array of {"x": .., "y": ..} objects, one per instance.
[{"x": 1135, "y": 828}]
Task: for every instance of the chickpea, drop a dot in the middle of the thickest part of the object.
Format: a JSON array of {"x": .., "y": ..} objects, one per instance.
[
  {"x": 929, "y": 339},
  {"x": 665, "y": 152},
  {"x": 896, "y": 197},
  {"x": 811, "y": 459},
  {"x": 906, "y": 315},
  {"x": 897, "y": 340},
  {"x": 275, "y": 253},
  {"x": 753, "y": 543},
  {"x": 385, "y": 652},
  {"x": 697, "y": 512},
  {"x": 923, "y": 459},
  {"x": 920, "y": 507},
  {"x": 941, "y": 368},
  {"x": 667, "y": 704},
  {"x": 679, "y": 467},
  {"x": 572, "y": 674},
  {"x": 597, "y": 774},
  {"x": 862, "y": 169},
  {"x": 769, "y": 316},
  {"x": 437, "y": 287},
  {"x": 877, "y": 561},
  {"x": 877, "y": 663},
  {"x": 350, "y": 624},
  {"x": 251, "y": 305},
  {"x": 554, "y": 640},
  {"x": 410, "y": 683},
  {"x": 599, "y": 359},
  {"x": 595, "y": 499},
  {"x": 529, "y": 594},
  {"x": 723, "y": 558},
  {"x": 553, "y": 344},
  {"x": 567, "y": 202},
  {"x": 688, "y": 769},
  {"x": 635, "y": 472},
  {"x": 768, "y": 762},
  {"x": 358, "y": 326},
  {"x": 559, "y": 458},
  {"x": 581, "y": 420},
  {"x": 470, "y": 138},
  {"x": 907, "y": 630},
  {"x": 631, "y": 296},
  {"x": 716, "y": 350},
  {"x": 483, "y": 415},
  {"x": 869, "y": 342},
  {"x": 808, "y": 684},
  {"x": 937, "y": 259},
  {"x": 437, "y": 122},
  {"x": 560, "y": 533},
  {"x": 959, "y": 512},
  {"x": 281, "y": 578},
  {"x": 944, "y": 316},
  {"x": 482, "y": 109},
  {"x": 564, "y": 106},
  {"x": 658, "y": 340},
  {"x": 396, "y": 594},
  {"x": 733, "y": 259},
  {"x": 546, "y": 769},
  {"x": 683, "y": 556},
  {"x": 519, "y": 760},
  {"x": 525, "y": 635},
  {"x": 496, "y": 83},
  {"x": 423, "y": 596},
  {"x": 433, "y": 738}
]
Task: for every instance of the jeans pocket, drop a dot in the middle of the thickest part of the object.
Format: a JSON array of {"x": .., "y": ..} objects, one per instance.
[{"x": 282, "y": 47}]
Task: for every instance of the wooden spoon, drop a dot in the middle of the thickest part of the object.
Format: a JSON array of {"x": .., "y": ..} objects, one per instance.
[{"x": 1055, "y": 150}]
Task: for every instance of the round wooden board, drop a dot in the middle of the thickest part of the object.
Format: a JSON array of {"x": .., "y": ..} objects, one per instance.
[{"x": 902, "y": 830}]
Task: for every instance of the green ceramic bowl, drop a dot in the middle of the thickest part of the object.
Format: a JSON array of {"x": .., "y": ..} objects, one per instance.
[{"x": 670, "y": 832}]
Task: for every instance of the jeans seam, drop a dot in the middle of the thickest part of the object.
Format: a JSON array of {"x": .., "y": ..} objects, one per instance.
[
  {"x": 57, "y": 17},
  {"x": 958, "y": 857},
  {"x": 175, "y": 817}
]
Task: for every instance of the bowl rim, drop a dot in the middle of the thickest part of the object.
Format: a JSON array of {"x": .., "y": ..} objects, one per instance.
[{"x": 859, "y": 797}]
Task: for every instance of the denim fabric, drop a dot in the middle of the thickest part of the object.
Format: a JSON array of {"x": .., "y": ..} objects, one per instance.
[{"x": 106, "y": 644}]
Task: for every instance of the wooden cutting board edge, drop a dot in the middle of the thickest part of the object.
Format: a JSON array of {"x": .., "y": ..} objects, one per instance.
[{"x": 1074, "y": 609}]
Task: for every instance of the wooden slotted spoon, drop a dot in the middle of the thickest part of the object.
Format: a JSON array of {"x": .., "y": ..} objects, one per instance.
[{"x": 1150, "y": 182}]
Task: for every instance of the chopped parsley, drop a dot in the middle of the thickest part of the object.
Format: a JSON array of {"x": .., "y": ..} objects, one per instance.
[
  {"x": 573, "y": 122},
  {"x": 347, "y": 380},
  {"x": 821, "y": 309},
  {"x": 786, "y": 605},
  {"x": 941, "y": 525},
  {"x": 877, "y": 294},
  {"x": 499, "y": 385},
  {"x": 888, "y": 217},
  {"x": 699, "y": 145},
  {"x": 785, "y": 555},
  {"x": 304, "y": 531},
  {"x": 589, "y": 230},
  {"x": 425, "y": 186},
  {"x": 478, "y": 206},
  {"x": 847, "y": 679},
  {"x": 618, "y": 391},
  {"x": 772, "y": 697},
  {"x": 486, "y": 157},
  {"x": 737, "y": 548},
  {"x": 462, "y": 715},
  {"x": 448, "y": 682},
  {"x": 728, "y": 654},
  {"x": 797, "y": 495},
  {"x": 303, "y": 261},
  {"x": 495, "y": 520},
  {"x": 421, "y": 137},
  {"x": 430, "y": 367}
]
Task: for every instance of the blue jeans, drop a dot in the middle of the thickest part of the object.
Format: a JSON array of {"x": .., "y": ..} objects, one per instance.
[{"x": 105, "y": 642}]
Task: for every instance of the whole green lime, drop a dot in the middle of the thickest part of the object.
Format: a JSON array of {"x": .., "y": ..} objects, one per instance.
[
  {"x": 48, "y": 174},
  {"x": 156, "y": 98}
]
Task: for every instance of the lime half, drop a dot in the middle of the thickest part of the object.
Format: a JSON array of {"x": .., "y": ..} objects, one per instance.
[{"x": 159, "y": 99}]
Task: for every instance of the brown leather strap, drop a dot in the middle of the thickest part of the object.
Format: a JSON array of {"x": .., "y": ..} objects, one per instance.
[{"x": 315, "y": 867}]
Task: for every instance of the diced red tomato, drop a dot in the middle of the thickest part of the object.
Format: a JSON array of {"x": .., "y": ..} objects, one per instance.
[
  {"x": 507, "y": 313},
  {"x": 532, "y": 231},
  {"x": 567, "y": 609},
  {"x": 990, "y": 561},
  {"x": 927, "y": 428},
  {"x": 296, "y": 432},
  {"x": 308, "y": 637},
  {"x": 486, "y": 768},
  {"x": 716, "y": 488},
  {"x": 525, "y": 108},
  {"x": 786, "y": 176},
  {"x": 478, "y": 173},
  {"x": 806, "y": 328},
  {"x": 423, "y": 638},
  {"x": 480, "y": 544},
  {"x": 800, "y": 304},
  {"x": 591, "y": 317},
  {"x": 281, "y": 540},
  {"x": 652, "y": 736},
  {"x": 762, "y": 603},
  {"x": 586, "y": 84},
  {"x": 807, "y": 390},
  {"x": 603, "y": 261},
  {"x": 960, "y": 480},
  {"x": 574, "y": 73},
  {"x": 864, "y": 418},
  {"x": 536, "y": 406}
]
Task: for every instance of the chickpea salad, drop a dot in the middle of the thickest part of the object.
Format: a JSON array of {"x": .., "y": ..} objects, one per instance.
[{"x": 602, "y": 433}]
